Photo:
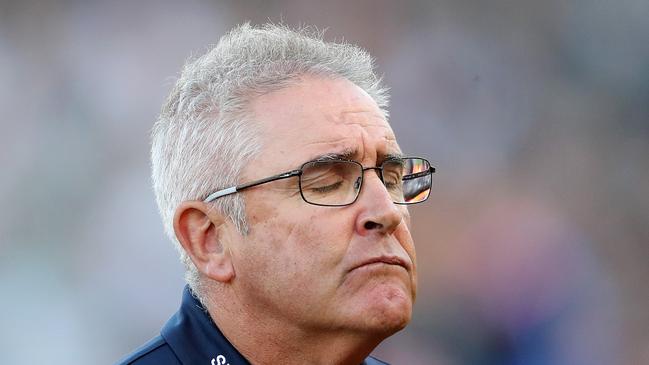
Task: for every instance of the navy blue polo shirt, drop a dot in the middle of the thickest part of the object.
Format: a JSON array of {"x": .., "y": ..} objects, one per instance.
[{"x": 191, "y": 337}]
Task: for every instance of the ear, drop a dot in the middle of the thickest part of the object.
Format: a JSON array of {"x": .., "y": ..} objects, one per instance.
[{"x": 200, "y": 231}]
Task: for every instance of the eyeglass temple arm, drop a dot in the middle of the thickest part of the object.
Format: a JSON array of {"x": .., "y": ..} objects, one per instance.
[{"x": 231, "y": 190}]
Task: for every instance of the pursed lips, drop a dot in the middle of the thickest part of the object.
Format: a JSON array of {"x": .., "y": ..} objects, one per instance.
[{"x": 388, "y": 260}]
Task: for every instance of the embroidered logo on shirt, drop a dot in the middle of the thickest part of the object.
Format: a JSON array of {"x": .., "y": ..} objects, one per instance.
[{"x": 220, "y": 360}]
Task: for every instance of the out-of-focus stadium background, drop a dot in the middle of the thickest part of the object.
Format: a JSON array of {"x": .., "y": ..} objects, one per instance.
[{"x": 533, "y": 248}]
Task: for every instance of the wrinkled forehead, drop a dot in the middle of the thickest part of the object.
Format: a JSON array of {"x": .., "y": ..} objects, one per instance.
[
  {"x": 321, "y": 115},
  {"x": 359, "y": 135}
]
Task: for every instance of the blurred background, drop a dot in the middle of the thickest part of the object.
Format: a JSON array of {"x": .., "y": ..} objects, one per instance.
[{"x": 533, "y": 248}]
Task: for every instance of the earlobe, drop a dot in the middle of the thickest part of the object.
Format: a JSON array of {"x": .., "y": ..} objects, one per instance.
[{"x": 201, "y": 232}]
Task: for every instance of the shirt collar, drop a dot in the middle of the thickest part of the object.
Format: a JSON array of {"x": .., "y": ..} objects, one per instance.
[{"x": 195, "y": 339}]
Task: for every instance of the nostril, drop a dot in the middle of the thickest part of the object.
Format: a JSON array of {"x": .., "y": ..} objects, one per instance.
[{"x": 371, "y": 225}]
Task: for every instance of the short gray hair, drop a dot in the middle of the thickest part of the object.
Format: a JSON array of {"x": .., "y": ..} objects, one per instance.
[{"x": 204, "y": 134}]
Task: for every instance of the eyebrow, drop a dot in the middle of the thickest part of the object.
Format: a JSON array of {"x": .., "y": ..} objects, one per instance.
[
  {"x": 350, "y": 153},
  {"x": 345, "y": 154},
  {"x": 393, "y": 156}
]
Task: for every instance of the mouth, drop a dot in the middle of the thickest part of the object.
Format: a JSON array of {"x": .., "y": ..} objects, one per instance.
[{"x": 383, "y": 260}]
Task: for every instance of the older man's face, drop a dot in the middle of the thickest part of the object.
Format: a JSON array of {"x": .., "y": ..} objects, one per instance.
[{"x": 324, "y": 268}]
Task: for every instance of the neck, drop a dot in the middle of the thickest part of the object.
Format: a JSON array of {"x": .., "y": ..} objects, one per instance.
[{"x": 266, "y": 340}]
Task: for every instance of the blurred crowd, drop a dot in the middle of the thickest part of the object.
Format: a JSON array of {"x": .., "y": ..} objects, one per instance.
[{"x": 533, "y": 248}]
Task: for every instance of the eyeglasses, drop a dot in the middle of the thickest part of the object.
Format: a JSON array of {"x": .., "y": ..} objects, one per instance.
[{"x": 336, "y": 182}]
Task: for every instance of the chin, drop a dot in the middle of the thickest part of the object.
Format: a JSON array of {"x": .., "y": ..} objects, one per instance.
[
  {"x": 388, "y": 312},
  {"x": 379, "y": 300}
]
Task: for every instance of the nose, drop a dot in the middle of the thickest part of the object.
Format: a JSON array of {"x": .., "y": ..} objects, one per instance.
[{"x": 378, "y": 213}]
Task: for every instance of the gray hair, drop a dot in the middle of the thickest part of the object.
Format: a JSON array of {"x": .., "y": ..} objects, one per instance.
[{"x": 205, "y": 135}]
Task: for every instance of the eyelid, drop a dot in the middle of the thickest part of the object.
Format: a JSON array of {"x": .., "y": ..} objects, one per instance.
[{"x": 328, "y": 187}]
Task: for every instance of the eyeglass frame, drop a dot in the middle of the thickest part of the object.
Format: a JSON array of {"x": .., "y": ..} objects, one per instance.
[{"x": 298, "y": 172}]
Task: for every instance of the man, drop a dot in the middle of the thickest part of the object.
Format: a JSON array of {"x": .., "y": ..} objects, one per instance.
[{"x": 285, "y": 191}]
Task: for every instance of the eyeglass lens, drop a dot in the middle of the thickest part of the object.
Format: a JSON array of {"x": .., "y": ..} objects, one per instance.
[{"x": 407, "y": 180}]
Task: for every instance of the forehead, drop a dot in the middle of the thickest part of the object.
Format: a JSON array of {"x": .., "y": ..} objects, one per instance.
[{"x": 322, "y": 115}]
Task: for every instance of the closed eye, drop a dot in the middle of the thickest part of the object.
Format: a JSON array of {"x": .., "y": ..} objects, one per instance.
[{"x": 328, "y": 188}]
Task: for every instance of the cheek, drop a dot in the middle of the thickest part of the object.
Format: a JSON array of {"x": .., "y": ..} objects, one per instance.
[
  {"x": 294, "y": 239},
  {"x": 295, "y": 262},
  {"x": 305, "y": 241},
  {"x": 319, "y": 241}
]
